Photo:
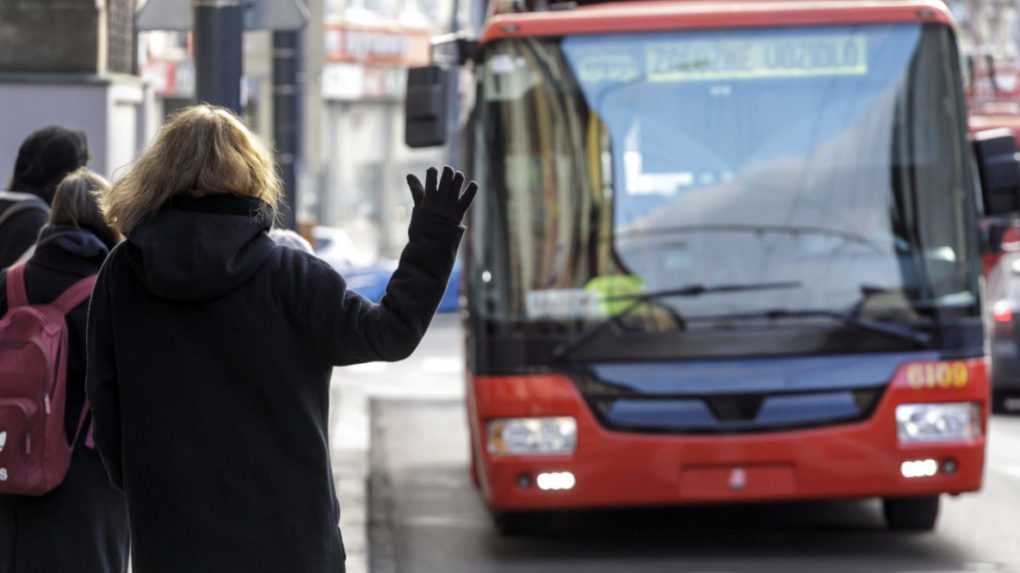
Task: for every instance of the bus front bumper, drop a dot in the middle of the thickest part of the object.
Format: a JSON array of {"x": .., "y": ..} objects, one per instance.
[{"x": 611, "y": 468}]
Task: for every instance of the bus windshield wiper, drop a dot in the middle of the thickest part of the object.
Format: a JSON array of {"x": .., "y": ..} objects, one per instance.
[
  {"x": 566, "y": 348},
  {"x": 890, "y": 329}
]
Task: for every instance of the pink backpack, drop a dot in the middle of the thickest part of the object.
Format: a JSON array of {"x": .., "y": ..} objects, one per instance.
[{"x": 34, "y": 453}]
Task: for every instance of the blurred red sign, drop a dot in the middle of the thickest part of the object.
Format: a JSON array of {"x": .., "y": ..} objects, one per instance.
[
  {"x": 386, "y": 46},
  {"x": 993, "y": 80}
]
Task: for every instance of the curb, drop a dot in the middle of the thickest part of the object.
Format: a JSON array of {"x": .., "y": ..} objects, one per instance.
[
  {"x": 436, "y": 371},
  {"x": 349, "y": 422}
]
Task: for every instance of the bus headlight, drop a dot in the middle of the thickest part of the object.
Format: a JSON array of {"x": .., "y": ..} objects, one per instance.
[
  {"x": 517, "y": 436},
  {"x": 938, "y": 422}
]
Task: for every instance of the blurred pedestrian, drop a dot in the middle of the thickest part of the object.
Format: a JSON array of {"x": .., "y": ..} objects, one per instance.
[
  {"x": 80, "y": 526},
  {"x": 211, "y": 350},
  {"x": 288, "y": 238},
  {"x": 44, "y": 158}
]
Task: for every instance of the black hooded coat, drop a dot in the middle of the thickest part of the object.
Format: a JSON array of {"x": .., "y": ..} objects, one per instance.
[
  {"x": 82, "y": 525},
  {"x": 210, "y": 356},
  {"x": 19, "y": 229},
  {"x": 44, "y": 159}
]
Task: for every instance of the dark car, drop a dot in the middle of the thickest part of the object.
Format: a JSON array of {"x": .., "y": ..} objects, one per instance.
[
  {"x": 370, "y": 282},
  {"x": 365, "y": 273},
  {"x": 1004, "y": 341}
]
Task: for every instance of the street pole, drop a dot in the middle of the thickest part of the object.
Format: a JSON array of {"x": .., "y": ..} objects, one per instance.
[
  {"x": 287, "y": 114},
  {"x": 453, "y": 118},
  {"x": 218, "y": 33}
]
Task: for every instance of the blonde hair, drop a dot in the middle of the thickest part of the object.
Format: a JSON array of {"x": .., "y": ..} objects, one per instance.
[
  {"x": 76, "y": 204},
  {"x": 201, "y": 150}
]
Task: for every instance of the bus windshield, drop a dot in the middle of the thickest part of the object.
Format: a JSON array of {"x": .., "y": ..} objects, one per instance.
[{"x": 832, "y": 158}]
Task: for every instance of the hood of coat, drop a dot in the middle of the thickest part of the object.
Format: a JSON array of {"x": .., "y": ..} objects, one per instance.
[
  {"x": 201, "y": 248},
  {"x": 71, "y": 249},
  {"x": 81, "y": 243}
]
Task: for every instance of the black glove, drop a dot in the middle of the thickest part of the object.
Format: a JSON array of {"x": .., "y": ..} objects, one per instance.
[{"x": 445, "y": 200}]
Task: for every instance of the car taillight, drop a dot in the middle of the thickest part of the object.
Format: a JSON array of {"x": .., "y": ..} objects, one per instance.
[
  {"x": 1011, "y": 239},
  {"x": 1002, "y": 313}
]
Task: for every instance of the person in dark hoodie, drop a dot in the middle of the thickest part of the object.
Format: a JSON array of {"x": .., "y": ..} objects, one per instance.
[
  {"x": 82, "y": 525},
  {"x": 44, "y": 159},
  {"x": 211, "y": 350}
]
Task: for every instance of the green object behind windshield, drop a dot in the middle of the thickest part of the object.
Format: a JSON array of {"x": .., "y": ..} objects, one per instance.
[{"x": 613, "y": 291}]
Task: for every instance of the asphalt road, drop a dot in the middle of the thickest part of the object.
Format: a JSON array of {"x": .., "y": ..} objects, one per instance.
[{"x": 425, "y": 515}]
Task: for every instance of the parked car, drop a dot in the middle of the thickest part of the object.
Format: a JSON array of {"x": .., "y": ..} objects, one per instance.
[
  {"x": 1003, "y": 301},
  {"x": 370, "y": 282},
  {"x": 336, "y": 247},
  {"x": 367, "y": 275}
]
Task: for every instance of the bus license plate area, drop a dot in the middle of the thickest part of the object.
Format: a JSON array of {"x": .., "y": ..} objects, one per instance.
[{"x": 734, "y": 480}]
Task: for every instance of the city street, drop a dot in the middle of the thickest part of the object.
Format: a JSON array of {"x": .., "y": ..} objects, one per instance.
[
  {"x": 427, "y": 517},
  {"x": 712, "y": 250}
]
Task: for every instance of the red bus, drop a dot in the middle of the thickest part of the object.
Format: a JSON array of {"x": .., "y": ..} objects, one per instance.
[{"x": 724, "y": 252}]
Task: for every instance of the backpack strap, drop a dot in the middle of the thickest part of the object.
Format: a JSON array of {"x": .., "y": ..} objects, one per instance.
[
  {"x": 16, "y": 293},
  {"x": 78, "y": 293}
]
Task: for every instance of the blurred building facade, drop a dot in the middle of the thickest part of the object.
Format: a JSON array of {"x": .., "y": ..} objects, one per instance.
[
  {"x": 72, "y": 63},
  {"x": 989, "y": 37},
  {"x": 987, "y": 26},
  {"x": 356, "y": 53},
  {"x": 368, "y": 46}
]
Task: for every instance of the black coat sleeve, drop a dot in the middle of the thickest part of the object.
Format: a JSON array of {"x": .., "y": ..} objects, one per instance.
[
  {"x": 352, "y": 330},
  {"x": 101, "y": 379},
  {"x": 20, "y": 233}
]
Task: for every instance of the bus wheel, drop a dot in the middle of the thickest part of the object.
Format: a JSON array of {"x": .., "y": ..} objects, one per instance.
[
  {"x": 911, "y": 513},
  {"x": 515, "y": 523},
  {"x": 998, "y": 402},
  {"x": 1005, "y": 403}
]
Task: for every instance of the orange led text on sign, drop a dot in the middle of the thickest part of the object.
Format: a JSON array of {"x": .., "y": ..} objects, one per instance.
[{"x": 943, "y": 375}]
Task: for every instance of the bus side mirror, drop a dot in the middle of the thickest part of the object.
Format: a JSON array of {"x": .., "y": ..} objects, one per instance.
[
  {"x": 999, "y": 169},
  {"x": 454, "y": 50},
  {"x": 425, "y": 106}
]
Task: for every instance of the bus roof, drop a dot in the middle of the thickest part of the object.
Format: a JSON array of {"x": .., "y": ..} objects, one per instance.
[{"x": 661, "y": 15}]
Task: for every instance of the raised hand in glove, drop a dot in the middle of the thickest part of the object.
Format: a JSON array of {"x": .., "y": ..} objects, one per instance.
[{"x": 449, "y": 198}]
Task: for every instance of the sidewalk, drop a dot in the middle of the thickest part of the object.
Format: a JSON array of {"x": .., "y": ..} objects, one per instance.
[{"x": 435, "y": 371}]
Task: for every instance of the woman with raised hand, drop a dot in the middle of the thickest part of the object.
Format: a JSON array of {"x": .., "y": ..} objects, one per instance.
[
  {"x": 211, "y": 350},
  {"x": 81, "y": 525}
]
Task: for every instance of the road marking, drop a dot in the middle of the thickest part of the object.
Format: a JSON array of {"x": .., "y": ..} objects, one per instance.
[
  {"x": 445, "y": 521},
  {"x": 369, "y": 368},
  {"x": 977, "y": 566},
  {"x": 985, "y": 566},
  {"x": 443, "y": 365},
  {"x": 1012, "y": 471}
]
